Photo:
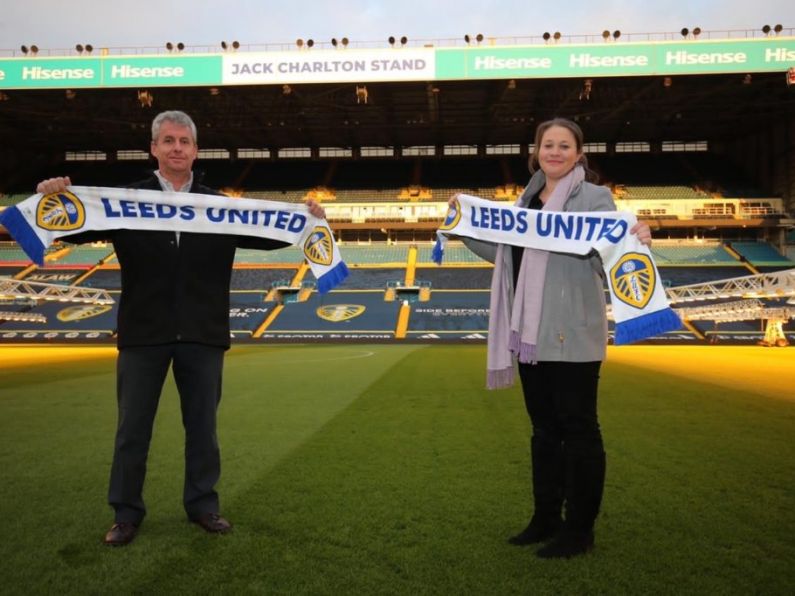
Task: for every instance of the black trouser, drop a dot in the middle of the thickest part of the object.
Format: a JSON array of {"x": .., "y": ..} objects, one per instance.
[
  {"x": 567, "y": 452},
  {"x": 141, "y": 372}
]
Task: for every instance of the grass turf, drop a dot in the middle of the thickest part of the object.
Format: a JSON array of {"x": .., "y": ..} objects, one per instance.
[{"x": 388, "y": 469}]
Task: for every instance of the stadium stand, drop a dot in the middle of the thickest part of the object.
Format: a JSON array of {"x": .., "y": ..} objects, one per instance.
[
  {"x": 659, "y": 193},
  {"x": 56, "y": 275},
  {"x": 682, "y": 253},
  {"x": 451, "y": 315},
  {"x": 683, "y": 276},
  {"x": 456, "y": 278},
  {"x": 386, "y": 213},
  {"x": 254, "y": 257},
  {"x": 83, "y": 255},
  {"x": 287, "y": 255},
  {"x": 455, "y": 252},
  {"x": 247, "y": 312},
  {"x": 364, "y": 279},
  {"x": 343, "y": 314},
  {"x": 10, "y": 252},
  {"x": 10, "y": 270},
  {"x": 372, "y": 195},
  {"x": 260, "y": 279},
  {"x": 109, "y": 279},
  {"x": 374, "y": 253},
  {"x": 762, "y": 254},
  {"x": 96, "y": 321},
  {"x": 13, "y": 199}
]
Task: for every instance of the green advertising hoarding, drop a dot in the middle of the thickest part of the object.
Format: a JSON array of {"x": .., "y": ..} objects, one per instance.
[
  {"x": 166, "y": 71},
  {"x": 50, "y": 73},
  {"x": 614, "y": 59},
  {"x": 475, "y": 62},
  {"x": 110, "y": 71}
]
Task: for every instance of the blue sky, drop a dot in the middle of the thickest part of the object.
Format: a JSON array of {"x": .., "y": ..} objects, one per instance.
[{"x": 140, "y": 23}]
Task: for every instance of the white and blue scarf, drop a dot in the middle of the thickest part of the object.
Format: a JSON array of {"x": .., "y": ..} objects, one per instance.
[
  {"x": 640, "y": 306},
  {"x": 41, "y": 219}
]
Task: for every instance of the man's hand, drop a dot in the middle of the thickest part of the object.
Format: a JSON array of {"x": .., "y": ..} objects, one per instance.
[
  {"x": 643, "y": 232},
  {"x": 53, "y": 185},
  {"x": 315, "y": 209},
  {"x": 452, "y": 200}
]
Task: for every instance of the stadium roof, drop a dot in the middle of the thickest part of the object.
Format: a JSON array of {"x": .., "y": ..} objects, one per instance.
[
  {"x": 714, "y": 90},
  {"x": 702, "y": 107}
]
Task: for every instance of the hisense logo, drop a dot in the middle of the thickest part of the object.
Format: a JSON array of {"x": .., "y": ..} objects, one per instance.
[
  {"x": 779, "y": 55},
  {"x": 126, "y": 71},
  {"x": 685, "y": 57},
  {"x": 39, "y": 73}
]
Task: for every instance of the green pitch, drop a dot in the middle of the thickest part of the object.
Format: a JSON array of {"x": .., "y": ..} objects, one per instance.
[{"x": 390, "y": 470}]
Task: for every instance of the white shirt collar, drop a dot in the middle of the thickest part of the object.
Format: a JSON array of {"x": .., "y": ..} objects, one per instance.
[{"x": 167, "y": 186}]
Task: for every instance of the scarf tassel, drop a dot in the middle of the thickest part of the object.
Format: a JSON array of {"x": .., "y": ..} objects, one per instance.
[
  {"x": 527, "y": 353},
  {"x": 332, "y": 278},
  {"x": 499, "y": 379},
  {"x": 655, "y": 323},
  {"x": 438, "y": 252},
  {"x": 16, "y": 224}
]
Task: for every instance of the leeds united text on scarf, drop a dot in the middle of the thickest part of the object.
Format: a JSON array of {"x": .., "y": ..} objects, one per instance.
[
  {"x": 640, "y": 307},
  {"x": 39, "y": 220}
]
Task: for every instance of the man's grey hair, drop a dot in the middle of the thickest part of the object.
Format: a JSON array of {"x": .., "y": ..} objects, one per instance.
[{"x": 175, "y": 117}]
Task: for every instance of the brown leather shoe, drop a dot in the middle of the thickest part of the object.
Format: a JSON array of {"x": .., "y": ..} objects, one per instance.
[
  {"x": 121, "y": 534},
  {"x": 213, "y": 523}
]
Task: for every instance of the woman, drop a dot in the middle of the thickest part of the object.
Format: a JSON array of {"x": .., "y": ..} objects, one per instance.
[{"x": 558, "y": 328}]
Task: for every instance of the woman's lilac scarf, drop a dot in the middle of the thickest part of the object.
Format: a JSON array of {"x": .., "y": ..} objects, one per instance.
[{"x": 516, "y": 316}]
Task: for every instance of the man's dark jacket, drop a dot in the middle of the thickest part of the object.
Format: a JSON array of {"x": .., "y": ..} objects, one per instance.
[{"x": 174, "y": 291}]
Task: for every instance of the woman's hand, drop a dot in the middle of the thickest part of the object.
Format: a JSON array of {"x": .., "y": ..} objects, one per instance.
[
  {"x": 315, "y": 209},
  {"x": 643, "y": 232}
]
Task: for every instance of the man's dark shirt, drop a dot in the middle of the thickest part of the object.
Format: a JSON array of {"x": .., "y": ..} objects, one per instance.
[{"x": 174, "y": 291}]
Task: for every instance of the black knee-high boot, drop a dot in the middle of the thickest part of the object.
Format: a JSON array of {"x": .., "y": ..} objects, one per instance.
[
  {"x": 585, "y": 478},
  {"x": 548, "y": 489}
]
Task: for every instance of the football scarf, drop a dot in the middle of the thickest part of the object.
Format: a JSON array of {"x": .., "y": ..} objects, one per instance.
[
  {"x": 640, "y": 307},
  {"x": 41, "y": 219}
]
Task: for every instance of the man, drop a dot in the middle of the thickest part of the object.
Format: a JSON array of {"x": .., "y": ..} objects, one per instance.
[{"x": 173, "y": 311}]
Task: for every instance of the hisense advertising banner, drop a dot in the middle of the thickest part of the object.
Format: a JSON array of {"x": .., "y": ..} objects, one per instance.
[
  {"x": 617, "y": 59},
  {"x": 109, "y": 71},
  {"x": 608, "y": 59}
]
